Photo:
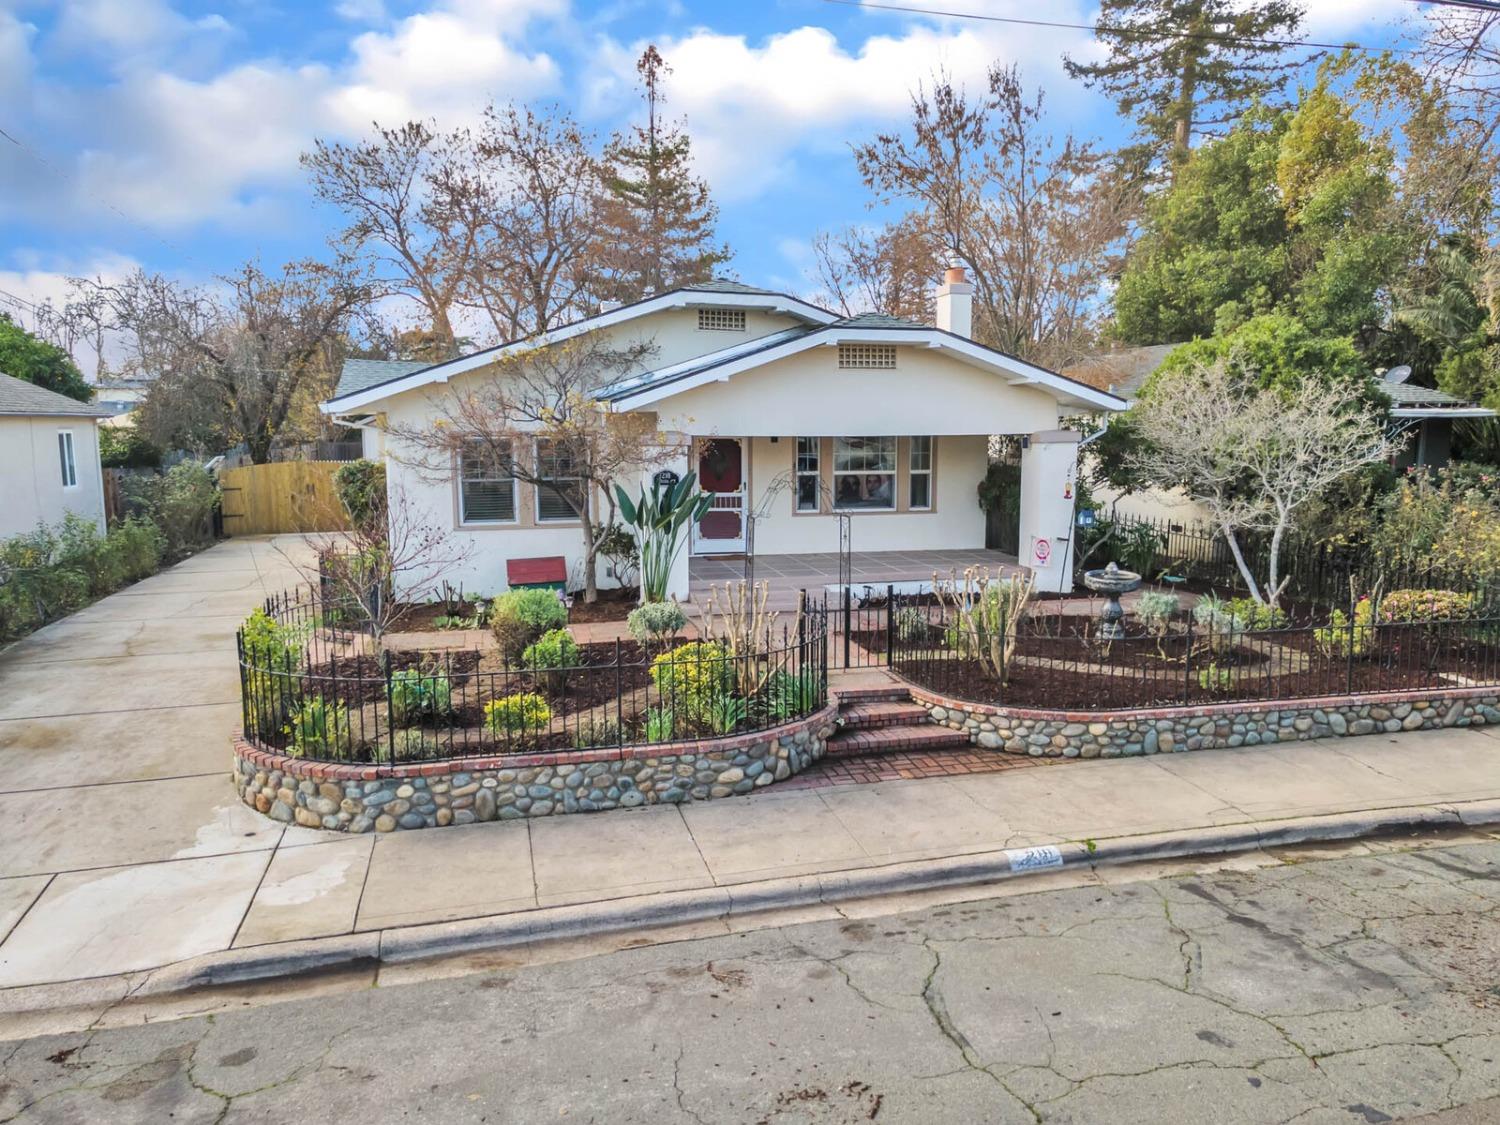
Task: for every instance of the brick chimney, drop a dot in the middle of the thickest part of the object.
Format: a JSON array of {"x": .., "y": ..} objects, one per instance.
[{"x": 955, "y": 303}]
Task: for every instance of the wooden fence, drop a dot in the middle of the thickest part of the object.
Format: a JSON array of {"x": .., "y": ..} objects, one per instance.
[{"x": 281, "y": 497}]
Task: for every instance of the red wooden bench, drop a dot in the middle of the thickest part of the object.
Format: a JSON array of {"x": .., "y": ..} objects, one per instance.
[{"x": 550, "y": 572}]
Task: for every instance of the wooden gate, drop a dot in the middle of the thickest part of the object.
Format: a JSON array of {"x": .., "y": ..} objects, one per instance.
[{"x": 281, "y": 497}]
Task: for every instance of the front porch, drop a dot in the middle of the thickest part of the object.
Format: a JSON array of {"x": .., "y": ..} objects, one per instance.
[{"x": 787, "y": 575}]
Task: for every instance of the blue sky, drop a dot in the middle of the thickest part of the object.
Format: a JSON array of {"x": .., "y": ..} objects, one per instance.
[{"x": 166, "y": 134}]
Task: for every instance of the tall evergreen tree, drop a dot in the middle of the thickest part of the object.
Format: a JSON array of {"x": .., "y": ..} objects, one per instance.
[
  {"x": 1185, "y": 67},
  {"x": 658, "y": 218}
]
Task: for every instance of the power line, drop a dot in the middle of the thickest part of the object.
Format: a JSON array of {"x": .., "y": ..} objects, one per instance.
[{"x": 1129, "y": 32}]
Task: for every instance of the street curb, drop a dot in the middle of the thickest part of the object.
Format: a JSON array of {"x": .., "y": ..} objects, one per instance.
[{"x": 412, "y": 943}]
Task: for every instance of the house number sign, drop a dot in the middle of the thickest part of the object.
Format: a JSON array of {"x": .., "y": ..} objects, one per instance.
[{"x": 666, "y": 479}]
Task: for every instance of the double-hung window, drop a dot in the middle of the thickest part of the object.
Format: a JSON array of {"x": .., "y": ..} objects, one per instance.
[
  {"x": 559, "y": 489},
  {"x": 65, "y": 456},
  {"x": 921, "y": 474},
  {"x": 487, "y": 483},
  {"x": 809, "y": 480},
  {"x": 864, "y": 474}
]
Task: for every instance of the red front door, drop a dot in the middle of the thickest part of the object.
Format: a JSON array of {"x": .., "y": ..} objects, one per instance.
[{"x": 721, "y": 471}]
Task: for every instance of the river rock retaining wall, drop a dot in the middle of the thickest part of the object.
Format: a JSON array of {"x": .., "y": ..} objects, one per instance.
[
  {"x": 1068, "y": 734},
  {"x": 364, "y": 798}
]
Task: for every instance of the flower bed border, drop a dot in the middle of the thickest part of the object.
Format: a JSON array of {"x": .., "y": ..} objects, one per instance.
[
  {"x": 1041, "y": 732},
  {"x": 360, "y": 797}
]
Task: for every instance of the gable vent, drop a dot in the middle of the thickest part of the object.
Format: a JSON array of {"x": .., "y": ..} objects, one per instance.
[
  {"x": 722, "y": 320},
  {"x": 866, "y": 356}
]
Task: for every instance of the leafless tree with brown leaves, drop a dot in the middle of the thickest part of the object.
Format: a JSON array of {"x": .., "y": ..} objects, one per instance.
[
  {"x": 536, "y": 414},
  {"x": 1460, "y": 52},
  {"x": 890, "y": 270},
  {"x": 384, "y": 187},
  {"x": 1040, "y": 222},
  {"x": 243, "y": 354}
]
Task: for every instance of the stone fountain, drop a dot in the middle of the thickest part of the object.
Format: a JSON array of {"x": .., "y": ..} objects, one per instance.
[{"x": 1111, "y": 582}]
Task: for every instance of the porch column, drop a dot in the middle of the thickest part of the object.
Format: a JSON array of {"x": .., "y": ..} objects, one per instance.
[
  {"x": 1049, "y": 462},
  {"x": 677, "y": 586}
]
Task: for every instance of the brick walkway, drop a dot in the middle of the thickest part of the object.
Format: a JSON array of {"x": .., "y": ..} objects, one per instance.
[{"x": 908, "y": 766}]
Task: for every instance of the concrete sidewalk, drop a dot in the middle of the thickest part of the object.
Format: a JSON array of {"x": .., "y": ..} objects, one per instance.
[{"x": 122, "y": 847}]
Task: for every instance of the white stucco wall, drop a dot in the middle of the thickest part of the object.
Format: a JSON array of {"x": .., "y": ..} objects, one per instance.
[
  {"x": 927, "y": 392},
  {"x": 954, "y": 523},
  {"x": 33, "y": 490}
]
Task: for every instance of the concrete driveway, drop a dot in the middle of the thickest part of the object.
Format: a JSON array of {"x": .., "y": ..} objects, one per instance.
[{"x": 115, "y": 804}]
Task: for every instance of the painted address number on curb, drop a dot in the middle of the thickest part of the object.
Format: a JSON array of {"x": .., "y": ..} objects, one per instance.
[{"x": 1034, "y": 859}]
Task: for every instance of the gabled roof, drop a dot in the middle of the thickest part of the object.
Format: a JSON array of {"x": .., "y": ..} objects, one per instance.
[
  {"x": 18, "y": 397},
  {"x": 360, "y": 374},
  {"x": 1121, "y": 372},
  {"x": 652, "y": 386},
  {"x": 728, "y": 294}
]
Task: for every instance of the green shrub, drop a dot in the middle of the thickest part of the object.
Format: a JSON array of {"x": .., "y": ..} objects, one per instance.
[
  {"x": 361, "y": 490},
  {"x": 1426, "y": 605},
  {"x": 1255, "y": 615},
  {"x": 789, "y": 696},
  {"x": 419, "y": 694},
  {"x": 273, "y": 654},
  {"x": 597, "y": 732},
  {"x": 661, "y": 724},
  {"x": 320, "y": 729},
  {"x": 522, "y": 713},
  {"x": 125, "y": 447},
  {"x": 519, "y": 617},
  {"x": 1155, "y": 608},
  {"x": 694, "y": 679},
  {"x": 554, "y": 649},
  {"x": 1336, "y": 638},
  {"x": 180, "y": 502},
  {"x": 1215, "y": 679},
  {"x": 725, "y": 715},
  {"x": 415, "y": 743},
  {"x": 655, "y": 623}
]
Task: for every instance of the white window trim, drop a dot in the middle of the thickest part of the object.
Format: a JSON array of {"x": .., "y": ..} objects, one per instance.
[
  {"x": 550, "y": 521},
  {"x": 894, "y": 473},
  {"x": 67, "y": 459},
  {"x": 816, "y": 472},
  {"x": 912, "y": 473},
  {"x": 464, "y": 519}
]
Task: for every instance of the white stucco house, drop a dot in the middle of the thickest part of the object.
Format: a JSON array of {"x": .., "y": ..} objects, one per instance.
[
  {"x": 49, "y": 457},
  {"x": 792, "y": 416}
]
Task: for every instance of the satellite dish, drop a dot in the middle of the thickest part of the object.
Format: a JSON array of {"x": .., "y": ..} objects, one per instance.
[{"x": 1398, "y": 374}]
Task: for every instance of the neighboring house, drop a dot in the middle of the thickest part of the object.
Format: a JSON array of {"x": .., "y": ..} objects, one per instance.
[
  {"x": 1425, "y": 414},
  {"x": 787, "y": 412},
  {"x": 49, "y": 457},
  {"x": 119, "y": 397}
]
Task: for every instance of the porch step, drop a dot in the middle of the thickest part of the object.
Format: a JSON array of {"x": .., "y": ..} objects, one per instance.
[
  {"x": 887, "y": 740},
  {"x": 874, "y": 714},
  {"x": 869, "y": 693}
]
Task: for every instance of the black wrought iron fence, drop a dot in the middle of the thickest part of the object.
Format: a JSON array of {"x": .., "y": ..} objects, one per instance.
[
  {"x": 315, "y": 684},
  {"x": 1058, "y": 660}
]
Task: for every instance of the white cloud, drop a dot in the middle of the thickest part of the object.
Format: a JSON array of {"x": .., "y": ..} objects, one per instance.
[
  {"x": 1337, "y": 21},
  {"x": 127, "y": 32},
  {"x": 751, "y": 107}
]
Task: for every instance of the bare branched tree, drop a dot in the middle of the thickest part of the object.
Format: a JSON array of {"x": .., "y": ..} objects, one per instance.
[
  {"x": 1040, "y": 223},
  {"x": 535, "y": 417},
  {"x": 527, "y": 196},
  {"x": 1252, "y": 456},
  {"x": 240, "y": 355},
  {"x": 890, "y": 270},
  {"x": 397, "y": 554},
  {"x": 383, "y": 186},
  {"x": 1461, "y": 54}
]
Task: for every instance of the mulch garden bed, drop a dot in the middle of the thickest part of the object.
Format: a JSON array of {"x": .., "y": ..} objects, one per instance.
[{"x": 613, "y": 605}]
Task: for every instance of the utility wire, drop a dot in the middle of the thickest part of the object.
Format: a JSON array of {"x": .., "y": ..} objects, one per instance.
[{"x": 1128, "y": 32}]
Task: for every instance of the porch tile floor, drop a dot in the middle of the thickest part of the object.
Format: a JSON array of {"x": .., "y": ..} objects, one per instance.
[{"x": 788, "y": 574}]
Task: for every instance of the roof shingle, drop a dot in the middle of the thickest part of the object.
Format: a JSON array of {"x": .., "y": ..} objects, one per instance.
[{"x": 17, "y": 396}]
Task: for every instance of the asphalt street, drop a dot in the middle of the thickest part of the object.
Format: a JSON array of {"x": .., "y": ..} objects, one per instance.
[{"x": 1350, "y": 990}]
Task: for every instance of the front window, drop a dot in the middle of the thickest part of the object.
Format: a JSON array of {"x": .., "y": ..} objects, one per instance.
[
  {"x": 809, "y": 482},
  {"x": 921, "y": 473},
  {"x": 487, "y": 483},
  {"x": 65, "y": 455},
  {"x": 559, "y": 489},
  {"x": 864, "y": 474}
]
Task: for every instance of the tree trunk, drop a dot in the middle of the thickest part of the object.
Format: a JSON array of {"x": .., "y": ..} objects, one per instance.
[
  {"x": 1239, "y": 561},
  {"x": 590, "y": 560},
  {"x": 259, "y": 447},
  {"x": 1274, "y": 582}
]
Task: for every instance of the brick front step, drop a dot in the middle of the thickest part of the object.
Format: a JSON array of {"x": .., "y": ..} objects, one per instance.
[
  {"x": 871, "y": 694},
  {"x": 881, "y": 713},
  {"x": 880, "y": 740}
]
